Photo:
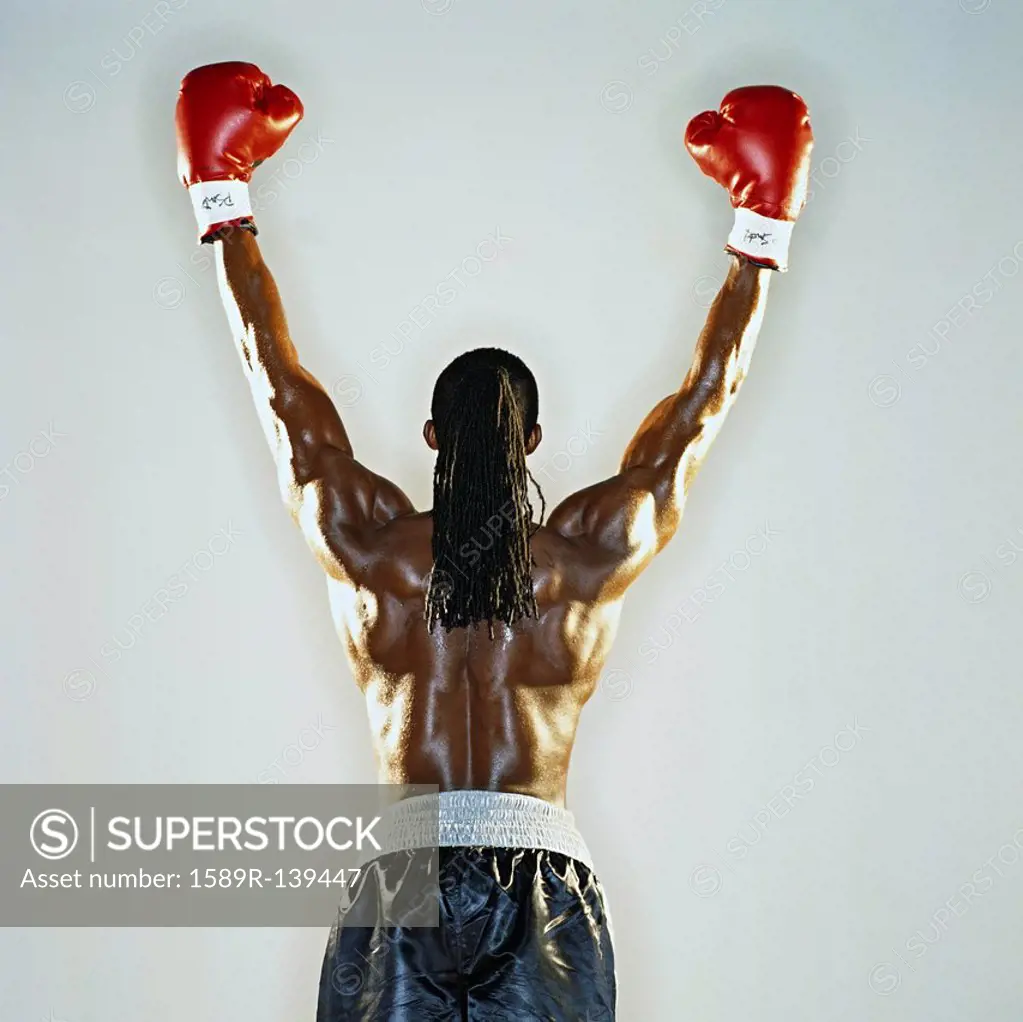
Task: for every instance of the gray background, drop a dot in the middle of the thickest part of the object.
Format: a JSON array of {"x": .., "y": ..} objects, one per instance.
[{"x": 867, "y": 646}]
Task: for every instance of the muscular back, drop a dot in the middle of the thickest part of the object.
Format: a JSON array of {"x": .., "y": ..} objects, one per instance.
[{"x": 459, "y": 709}]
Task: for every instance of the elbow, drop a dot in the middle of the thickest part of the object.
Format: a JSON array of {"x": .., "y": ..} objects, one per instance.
[
  {"x": 290, "y": 484},
  {"x": 291, "y": 495},
  {"x": 299, "y": 458}
]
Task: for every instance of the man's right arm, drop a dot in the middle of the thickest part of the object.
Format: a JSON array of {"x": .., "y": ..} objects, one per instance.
[
  {"x": 632, "y": 516},
  {"x": 758, "y": 147}
]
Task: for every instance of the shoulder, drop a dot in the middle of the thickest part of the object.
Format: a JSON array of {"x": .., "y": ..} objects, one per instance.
[
  {"x": 569, "y": 568},
  {"x": 394, "y": 556}
]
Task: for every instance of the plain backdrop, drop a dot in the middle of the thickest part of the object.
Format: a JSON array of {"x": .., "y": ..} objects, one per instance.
[{"x": 806, "y": 744}]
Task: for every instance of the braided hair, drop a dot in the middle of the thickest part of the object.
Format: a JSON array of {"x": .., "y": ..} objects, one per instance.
[{"x": 485, "y": 405}]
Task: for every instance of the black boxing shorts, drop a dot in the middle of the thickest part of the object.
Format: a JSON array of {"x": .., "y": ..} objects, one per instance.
[{"x": 524, "y": 932}]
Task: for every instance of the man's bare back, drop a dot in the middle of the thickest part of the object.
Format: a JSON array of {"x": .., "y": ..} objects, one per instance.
[{"x": 459, "y": 708}]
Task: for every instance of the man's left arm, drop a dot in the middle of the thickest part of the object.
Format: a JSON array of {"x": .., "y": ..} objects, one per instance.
[
  {"x": 337, "y": 501},
  {"x": 229, "y": 119}
]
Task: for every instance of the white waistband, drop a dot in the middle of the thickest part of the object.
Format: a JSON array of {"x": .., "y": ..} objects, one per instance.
[{"x": 493, "y": 819}]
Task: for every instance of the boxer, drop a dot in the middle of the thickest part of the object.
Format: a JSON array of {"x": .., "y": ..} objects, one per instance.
[{"x": 476, "y": 630}]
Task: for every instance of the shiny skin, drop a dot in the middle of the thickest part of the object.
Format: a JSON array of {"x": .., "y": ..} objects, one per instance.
[{"x": 459, "y": 709}]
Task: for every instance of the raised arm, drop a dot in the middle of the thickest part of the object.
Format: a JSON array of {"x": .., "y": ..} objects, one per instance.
[
  {"x": 229, "y": 119},
  {"x": 337, "y": 501},
  {"x": 632, "y": 516},
  {"x": 758, "y": 146}
]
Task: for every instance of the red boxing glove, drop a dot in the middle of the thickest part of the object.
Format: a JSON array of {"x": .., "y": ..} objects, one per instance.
[
  {"x": 229, "y": 118},
  {"x": 758, "y": 147}
]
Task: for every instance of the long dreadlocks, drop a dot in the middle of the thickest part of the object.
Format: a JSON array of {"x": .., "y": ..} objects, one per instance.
[{"x": 484, "y": 407}]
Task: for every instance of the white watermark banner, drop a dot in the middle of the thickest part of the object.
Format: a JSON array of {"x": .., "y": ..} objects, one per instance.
[{"x": 211, "y": 855}]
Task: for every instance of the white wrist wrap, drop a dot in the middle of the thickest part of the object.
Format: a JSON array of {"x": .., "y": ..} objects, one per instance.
[
  {"x": 217, "y": 201},
  {"x": 761, "y": 238}
]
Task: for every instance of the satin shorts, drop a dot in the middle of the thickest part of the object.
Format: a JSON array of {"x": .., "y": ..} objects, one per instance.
[{"x": 524, "y": 935}]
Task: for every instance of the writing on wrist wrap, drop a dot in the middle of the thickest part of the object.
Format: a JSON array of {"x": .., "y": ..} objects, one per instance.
[
  {"x": 761, "y": 239},
  {"x": 215, "y": 202}
]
